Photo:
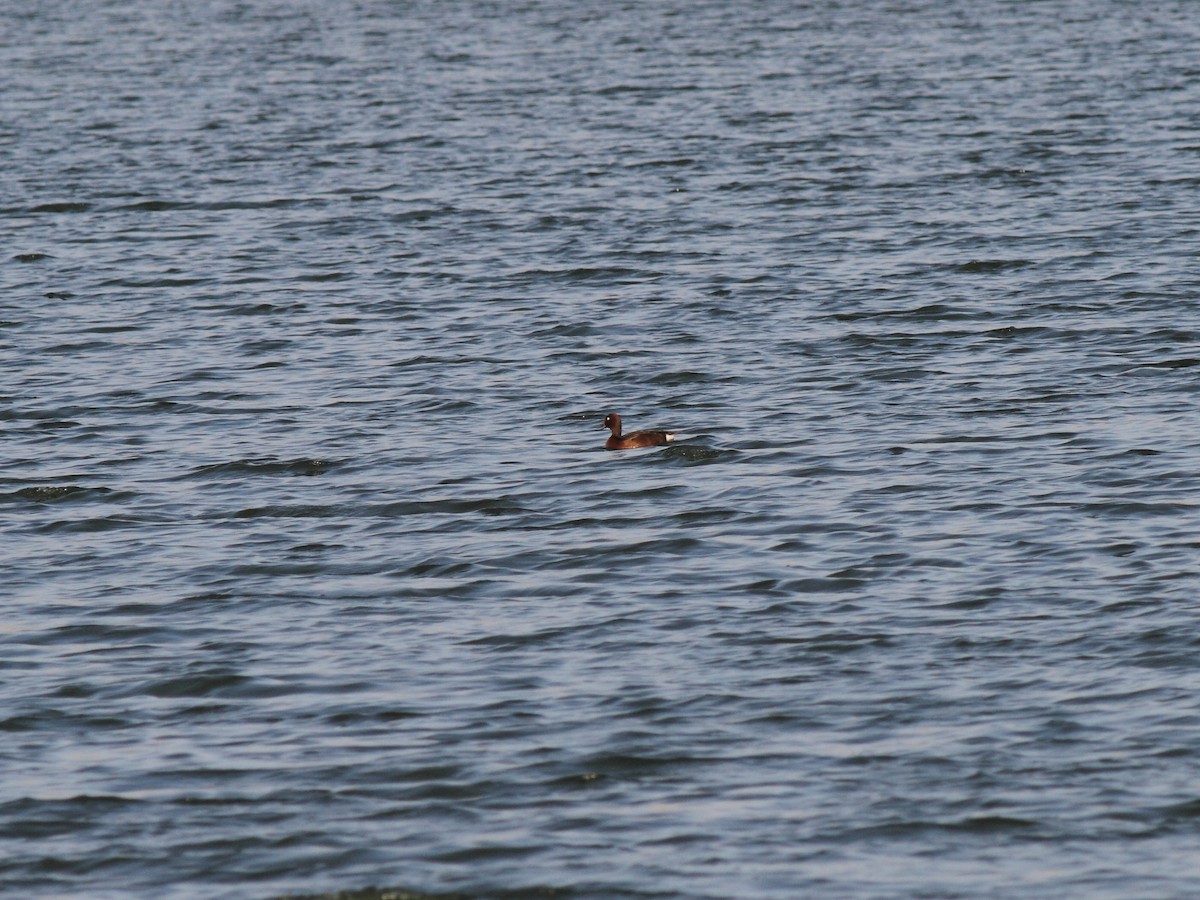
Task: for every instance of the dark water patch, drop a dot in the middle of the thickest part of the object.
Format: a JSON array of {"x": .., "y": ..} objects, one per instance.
[
  {"x": 932, "y": 312},
  {"x": 585, "y": 275},
  {"x": 420, "y": 215},
  {"x": 70, "y": 348},
  {"x": 1184, "y": 363},
  {"x": 1184, "y": 811},
  {"x": 302, "y": 511},
  {"x": 316, "y": 548},
  {"x": 48, "y": 493},
  {"x": 262, "y": 309},
  {"x": 221, "y": 684},
  {"x": 833, "y": 584},
  {"x": 113, "y": 329},
  {"x": 278, "y": 203},
  {"x": 424, "y": 360},
  {"x": 990, "y": 266},
  {"x": 564, "y": 330},
  {"x": 54, "y": 720},
  {"x": 99, "y": 524},
  {"x": 626, "y": 766},
  {"x": 186, "y": 281},
  {"x": 319, "y": 277},
  {"x": 438, "y": 567},
  {"x": 691, "y": 454},
  {"x": 371, "y": 716},
  {"x": 398, "y": 893},
  {"x": 485, "y": 853},
  {"x": 255, "y": 348},
  {"x": 76, "y": 691},
  {"x": 448, "y": 405},
  {"x": 1137, "y": 509},
  {"x": 681, "y": 162},
  {"x": 61, "y": 493},
  {"x": 156, "y": 206},
  {"x": 515, "y": 641},
  {"x": 306, "y": 468},
  {"x": 488, "y": 506},
  {"x": 73, "y": 813},
  {"x": 684, "y": 377},
  {"x": 62, "y": 207},
  {"x": 974, "y": 825},
  {"x": 96, "y": 636},
  {"x": 970, "y": 603}
]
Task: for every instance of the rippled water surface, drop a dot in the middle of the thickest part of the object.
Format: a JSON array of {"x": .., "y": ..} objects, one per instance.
[{"x": 315, "y": 575}]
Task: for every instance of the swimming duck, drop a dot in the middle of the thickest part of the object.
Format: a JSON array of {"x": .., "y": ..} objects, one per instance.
[{"x": 617, "y": 441}]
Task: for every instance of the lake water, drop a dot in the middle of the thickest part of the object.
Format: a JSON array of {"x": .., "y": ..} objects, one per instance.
[{"x": 315, "y": 575}]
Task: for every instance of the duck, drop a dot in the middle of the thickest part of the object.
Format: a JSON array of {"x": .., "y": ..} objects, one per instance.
[{"x": 618, "y": 441}]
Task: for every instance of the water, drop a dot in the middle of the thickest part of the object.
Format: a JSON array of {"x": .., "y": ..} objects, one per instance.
[{"x": 315, "y": 574}]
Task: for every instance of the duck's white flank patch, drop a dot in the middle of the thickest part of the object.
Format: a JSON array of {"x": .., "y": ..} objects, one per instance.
[{"x": 670, "y": 435}]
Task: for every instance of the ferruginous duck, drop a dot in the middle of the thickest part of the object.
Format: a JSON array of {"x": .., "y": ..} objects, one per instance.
[{"x": 618, "y": 441}]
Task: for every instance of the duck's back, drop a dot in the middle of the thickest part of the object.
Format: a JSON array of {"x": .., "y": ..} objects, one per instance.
[{"x": 638, "y": 439}]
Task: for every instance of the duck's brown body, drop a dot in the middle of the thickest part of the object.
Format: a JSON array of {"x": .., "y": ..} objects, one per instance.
[{"x": 636, "y": 439}]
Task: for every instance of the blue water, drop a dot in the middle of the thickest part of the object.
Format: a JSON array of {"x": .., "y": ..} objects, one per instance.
[{"x": 316, "y": 578}]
